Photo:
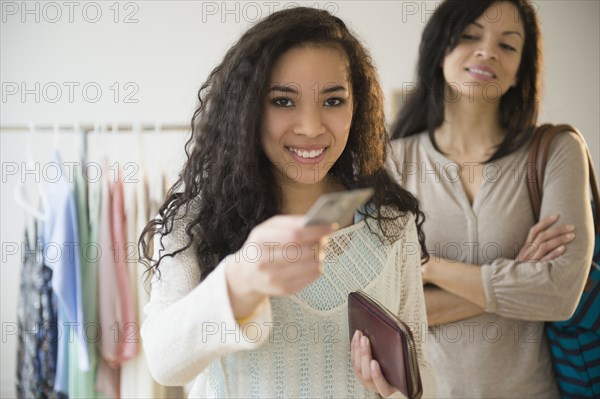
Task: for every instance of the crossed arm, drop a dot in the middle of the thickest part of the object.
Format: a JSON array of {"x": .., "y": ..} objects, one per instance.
[{"x": 454, "y": 290}]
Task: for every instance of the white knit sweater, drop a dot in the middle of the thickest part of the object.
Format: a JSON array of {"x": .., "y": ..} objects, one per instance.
[{"x": 295, "y": 346}]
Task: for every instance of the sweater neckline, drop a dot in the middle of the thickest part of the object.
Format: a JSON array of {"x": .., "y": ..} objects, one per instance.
[{"x": 439, "y": 156}]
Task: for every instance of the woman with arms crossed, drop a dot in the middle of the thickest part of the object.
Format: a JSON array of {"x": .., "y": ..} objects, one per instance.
[{"x": 462, "y": 149}]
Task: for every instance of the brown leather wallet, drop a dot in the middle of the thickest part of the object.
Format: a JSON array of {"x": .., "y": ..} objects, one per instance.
[{"x": 392, "y": 343}]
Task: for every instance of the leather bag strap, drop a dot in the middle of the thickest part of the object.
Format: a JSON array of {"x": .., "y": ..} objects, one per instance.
[{"x": 536, "y": 166}]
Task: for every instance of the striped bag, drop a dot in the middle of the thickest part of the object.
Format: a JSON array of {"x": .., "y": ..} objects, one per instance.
[{"x": 574, "y": 343}]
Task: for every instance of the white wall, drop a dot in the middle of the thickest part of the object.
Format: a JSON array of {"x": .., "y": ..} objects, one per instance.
[{"x": 164, "y": 53}]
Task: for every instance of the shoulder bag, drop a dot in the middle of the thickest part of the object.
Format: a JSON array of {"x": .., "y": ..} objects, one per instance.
[{"x": 574, "y": 343}]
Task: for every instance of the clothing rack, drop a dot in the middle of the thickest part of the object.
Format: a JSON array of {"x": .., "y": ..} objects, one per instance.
[{"x": 107, "y": 127}]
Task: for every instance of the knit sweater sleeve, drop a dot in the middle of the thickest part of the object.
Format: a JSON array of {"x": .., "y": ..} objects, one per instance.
[
  {"x": 550, "y": 290},
  {"x": 190, "y": 322},
  {"x": 412, "y": 303}
]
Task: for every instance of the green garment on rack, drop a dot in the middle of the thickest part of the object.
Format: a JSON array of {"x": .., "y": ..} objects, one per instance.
[{"x": 82, "y": 384}]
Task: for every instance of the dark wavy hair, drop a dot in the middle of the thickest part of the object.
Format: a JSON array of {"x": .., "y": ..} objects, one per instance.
[
  {"x": 227, "y": 172},
  {"x": 519, "y": 106}
]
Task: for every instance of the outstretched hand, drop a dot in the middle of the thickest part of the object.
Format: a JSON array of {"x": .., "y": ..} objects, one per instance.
[{"x": 280, "y": 257}]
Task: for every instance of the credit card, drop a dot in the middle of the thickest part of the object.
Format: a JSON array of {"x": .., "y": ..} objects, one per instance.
[{"x": 337, "y": 207}]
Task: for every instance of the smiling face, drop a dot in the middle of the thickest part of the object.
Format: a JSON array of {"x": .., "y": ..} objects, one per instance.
[
  {"x": 307, "y": 113},
  {"x": 487, "y": 54}
]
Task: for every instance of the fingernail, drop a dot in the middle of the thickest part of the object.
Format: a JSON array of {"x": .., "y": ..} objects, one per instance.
[
  {"x": 554, "y": 216},
  {"x": 570, "y": 227},
  {"x": 570, "y": 236},
  {"x": 335, "y": 226},
  {"x": 561, "y": 248},
  {"x": 355, "y": 336}
]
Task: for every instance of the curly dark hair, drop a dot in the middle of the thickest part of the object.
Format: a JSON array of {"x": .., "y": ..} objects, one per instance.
[
  {"x": 226, "y": 167},
  {"x": 519, "y": 106}
]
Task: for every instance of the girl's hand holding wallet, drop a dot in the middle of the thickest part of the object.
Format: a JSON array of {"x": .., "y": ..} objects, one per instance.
[{"x": 392, "y": 343}]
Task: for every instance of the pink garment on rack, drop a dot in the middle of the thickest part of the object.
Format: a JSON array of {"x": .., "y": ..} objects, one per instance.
[
  {"x": 128, "y": 342},
  {"x": 109, "y": 306},
  {"x": 115, "y": 301}
]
